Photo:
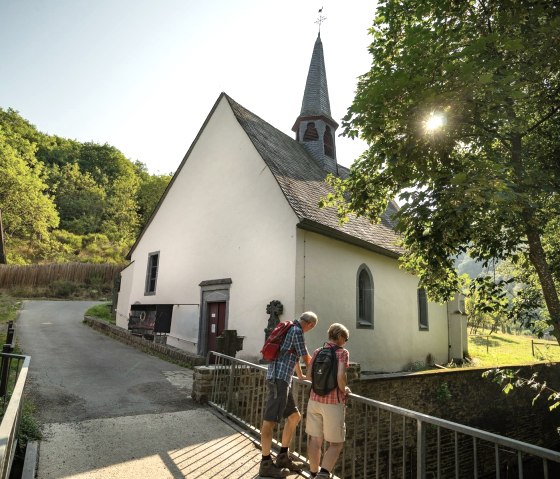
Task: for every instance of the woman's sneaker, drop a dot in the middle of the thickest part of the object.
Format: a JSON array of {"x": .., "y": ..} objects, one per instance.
[
  {"x": 284, "y": 460},
  {"x": 269, "y": 469}
]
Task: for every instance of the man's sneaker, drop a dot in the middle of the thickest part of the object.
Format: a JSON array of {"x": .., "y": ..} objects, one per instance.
[
  {"x": 323, "y": 475},
  {"x": 284, "y": 460},
  {"x": 269, "y": 469}
]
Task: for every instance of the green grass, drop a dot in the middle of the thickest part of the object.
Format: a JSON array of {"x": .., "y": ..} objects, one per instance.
[
  {"x": 501, "y": 349},
  {"x": 101, "y": 311},
  {"x": 29, "y": 427},
  {"x": 8, "y": 308}
]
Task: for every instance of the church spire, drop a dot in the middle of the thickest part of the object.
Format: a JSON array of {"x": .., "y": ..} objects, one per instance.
[{"x": 315, "y": 128}]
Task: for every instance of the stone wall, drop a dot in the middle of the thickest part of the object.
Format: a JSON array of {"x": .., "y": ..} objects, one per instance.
[
  {"x": 462, "y": 395},
  {"x": 182, "y": 357}
]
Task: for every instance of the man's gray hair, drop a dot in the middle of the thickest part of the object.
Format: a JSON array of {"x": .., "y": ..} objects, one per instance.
[{"x": 309, "y": 317}]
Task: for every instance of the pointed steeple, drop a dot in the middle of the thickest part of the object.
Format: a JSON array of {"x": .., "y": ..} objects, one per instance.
[{"x": 315, "y": 128}]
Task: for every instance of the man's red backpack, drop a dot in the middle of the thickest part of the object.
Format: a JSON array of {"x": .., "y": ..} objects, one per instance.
[{"x": 273, "y": 343}]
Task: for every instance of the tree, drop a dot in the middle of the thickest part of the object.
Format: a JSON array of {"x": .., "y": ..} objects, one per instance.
[
  {"x": 488, "y": 179},
  {"x": 80, "y": 201},
  {"x": 150, "y": 192},
  {"x": 121, "y": 218},
  {"x": 27, "y": 212}
]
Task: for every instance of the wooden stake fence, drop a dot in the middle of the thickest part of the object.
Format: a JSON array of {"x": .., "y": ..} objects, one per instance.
[{"x": 45, "y": 274}]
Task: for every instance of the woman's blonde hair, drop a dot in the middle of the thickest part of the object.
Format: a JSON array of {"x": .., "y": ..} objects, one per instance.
[{"x": 336, "y": 329}]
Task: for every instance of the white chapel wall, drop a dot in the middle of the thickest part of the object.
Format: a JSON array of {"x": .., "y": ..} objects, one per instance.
[
  {"x": 123, "y": 302},
  {"x": 327, "y": 270},
  {"x": 184, "y": 327},
  {"x": 224, "y": 217}
]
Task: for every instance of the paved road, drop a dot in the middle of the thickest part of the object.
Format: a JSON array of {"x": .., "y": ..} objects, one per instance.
[
  {"x": 77, "y": 373},
  {"x": 111, "y": 411}
]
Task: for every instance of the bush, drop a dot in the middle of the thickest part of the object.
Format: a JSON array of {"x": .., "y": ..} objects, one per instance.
[
  {"x": 63, "y": 288},
  {"x": 101, "y": 311}
]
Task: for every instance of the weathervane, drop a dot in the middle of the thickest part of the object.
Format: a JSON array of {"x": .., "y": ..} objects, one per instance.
[{"x": 320, "y": 19}]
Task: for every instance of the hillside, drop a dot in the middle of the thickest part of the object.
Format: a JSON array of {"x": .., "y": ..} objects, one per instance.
[{"x": 62, "y": 200}]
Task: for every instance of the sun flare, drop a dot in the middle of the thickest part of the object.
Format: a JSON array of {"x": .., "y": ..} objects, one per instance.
[{"x": 434, "y": 122}]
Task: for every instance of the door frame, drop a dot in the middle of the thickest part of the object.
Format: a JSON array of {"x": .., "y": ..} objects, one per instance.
[{"x": 211, "y": 291}]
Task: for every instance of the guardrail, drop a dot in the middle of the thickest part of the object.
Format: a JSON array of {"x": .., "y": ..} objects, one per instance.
[
  {"x": 14, "y": 374},
  {"x": 384, "y": 441}
]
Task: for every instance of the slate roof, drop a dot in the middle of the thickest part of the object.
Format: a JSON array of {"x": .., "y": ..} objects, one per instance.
[
  {"x": 316, "y": 94},
  {"x": 302, "y": 182}
]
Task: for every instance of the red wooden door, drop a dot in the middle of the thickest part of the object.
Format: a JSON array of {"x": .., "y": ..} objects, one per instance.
[{"x": 216, "y": 323}]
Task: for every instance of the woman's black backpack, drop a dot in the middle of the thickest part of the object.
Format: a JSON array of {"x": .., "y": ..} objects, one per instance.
[{"x": 324, "y": 370}]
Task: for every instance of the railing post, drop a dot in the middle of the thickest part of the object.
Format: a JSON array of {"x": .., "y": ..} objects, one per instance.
[
  {"x": 230, "y": 386},
  {"x": 4, "y": 369},
  {"x": 421, "y": 450},
  {"x": 10, "y": 333}
]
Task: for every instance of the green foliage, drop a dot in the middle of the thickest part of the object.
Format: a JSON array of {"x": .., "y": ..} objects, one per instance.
[
  {"x": 29, "y": 427},
  {"x": 96, "y": 196},
  {"x": 101, "y": 311},
  {"x": 443, "y": 394},
  {"x": 27, "y": 211},
  {"x": 150, "y": 191},
  {"x": 63, "y": 289},
  {"x": 8, "y": 308},
  {"x": 121, "y": 218},
  {"x": 79, "y": 199},
  {"x": 488, "y": 180},
  {"x": 509, "y": 380}
]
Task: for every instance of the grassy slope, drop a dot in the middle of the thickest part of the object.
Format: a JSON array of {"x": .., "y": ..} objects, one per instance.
[{"x": 509, "y": 349}]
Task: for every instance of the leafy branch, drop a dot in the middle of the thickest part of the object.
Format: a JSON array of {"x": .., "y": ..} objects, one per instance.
[{"x": 509, "y": 379}]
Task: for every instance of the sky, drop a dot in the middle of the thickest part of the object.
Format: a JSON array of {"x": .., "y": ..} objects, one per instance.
[{"x": 142, "y": 75}]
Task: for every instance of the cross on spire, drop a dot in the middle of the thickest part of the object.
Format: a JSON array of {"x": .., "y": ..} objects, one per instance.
[{"x": 320, "y": 19}]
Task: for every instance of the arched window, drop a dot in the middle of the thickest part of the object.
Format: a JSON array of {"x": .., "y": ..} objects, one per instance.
[
  {"x": 328, "y": 143},
  {"x": 364, "y": 298},
  {"x": 422, "y": 309},
  {"x": 310, "y": 133}
]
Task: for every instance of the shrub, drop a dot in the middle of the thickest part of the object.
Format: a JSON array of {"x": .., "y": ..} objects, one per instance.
[
  {"x": 101, "y": 311},
  {"x": 63, "y": 288}
]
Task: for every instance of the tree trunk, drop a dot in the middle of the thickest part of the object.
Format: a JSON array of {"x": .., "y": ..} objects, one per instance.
[
  {"x": 538, "y": 259},
  {"x": 537, "y": 255}
]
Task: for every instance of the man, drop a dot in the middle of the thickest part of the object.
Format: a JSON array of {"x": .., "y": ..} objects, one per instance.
[{"x": 280, "y": 401}]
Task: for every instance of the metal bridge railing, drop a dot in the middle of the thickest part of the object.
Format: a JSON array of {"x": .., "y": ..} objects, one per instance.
[
  {"x": 382, "y": 440},
  {"x": 14, "y": 369}
]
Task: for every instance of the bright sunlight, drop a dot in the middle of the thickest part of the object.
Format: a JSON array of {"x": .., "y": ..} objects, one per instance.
[{"x": 434, "y": 122}]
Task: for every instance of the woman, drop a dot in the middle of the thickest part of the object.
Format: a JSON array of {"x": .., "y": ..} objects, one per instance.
[{"x": 325, "y": 414}]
